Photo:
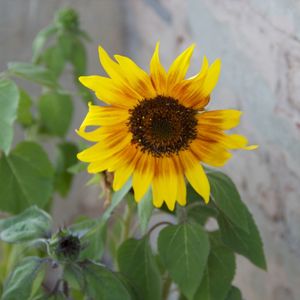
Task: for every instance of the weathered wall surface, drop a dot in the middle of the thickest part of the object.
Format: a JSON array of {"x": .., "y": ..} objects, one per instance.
[{"x": 259, "y": 43}]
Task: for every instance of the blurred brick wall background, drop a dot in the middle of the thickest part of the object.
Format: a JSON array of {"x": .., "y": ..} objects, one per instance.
[{"x": 259, "y": 43}]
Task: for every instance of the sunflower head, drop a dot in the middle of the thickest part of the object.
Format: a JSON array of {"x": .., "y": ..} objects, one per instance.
[{"x": 154, "y": 126}]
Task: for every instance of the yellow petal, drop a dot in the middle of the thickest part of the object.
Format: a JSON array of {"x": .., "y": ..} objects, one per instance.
[
  {"x": 232, "y": 141},
  {"x": 157, "y": 73},
  {"x": 212, "y": 78},
  {"x": 158, "y": 199},
  {"x": 106, "y": 148},
  {"x": 213, "y": 154},
  {"x": 122, "y": 174},
  {"x": 190, "y": 91},
  {"x": 109, "y": 91},
  {"x": 142, "y": 176},
  {"x": 105, "y": 116},
  {"x": 203, "y": 70},
  {"x": 181, "y": 186},
  {"x": 179, "y": 67},
  {"x": 137, "y": 78},
  {"x": 221, "y": 119},
  {"x": 195, "y": 175},
  {"x": 167, "y": 180},
  {"x": 111, "y": 67},
  {"x": 236, "y": 141}
]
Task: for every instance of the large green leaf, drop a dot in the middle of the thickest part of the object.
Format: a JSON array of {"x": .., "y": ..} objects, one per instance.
[
  {"x": 219, "y": 272},
  {"x": 234, "y": 294},
  {"x": 145, "y": 209},
  {"x": 248, "y": 244},
  {"x": 103, "y": 284},
  {"x": 26, "y": 178},
  {"x": 66, "y": 157},
  {"x": 37, "y": 74},
  {"x": 227, "y": 198},
  {"x": 184, "y": 250},
  {"x": 9, "y": 99},
  {"x": 201, "y": 213},
  {"x": 31, "y": 224},
  {"x": 56, "y": 111},
  {"x": 138, "y": 264},
  {"x": 25, "y": 117},
  {"x": 20, "y": 282}
]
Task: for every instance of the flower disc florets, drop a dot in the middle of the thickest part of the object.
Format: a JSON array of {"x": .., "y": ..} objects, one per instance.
[{"x": 162, "y": 126}]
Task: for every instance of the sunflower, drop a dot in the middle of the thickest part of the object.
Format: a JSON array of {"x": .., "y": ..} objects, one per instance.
[{"x": 154, "y": 127}]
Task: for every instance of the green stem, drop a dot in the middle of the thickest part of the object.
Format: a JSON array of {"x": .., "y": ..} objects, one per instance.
[{"x": 166, "y": 288}]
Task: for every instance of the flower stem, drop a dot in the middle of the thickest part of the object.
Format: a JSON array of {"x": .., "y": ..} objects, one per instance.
[{"x": 166, "y": 288}]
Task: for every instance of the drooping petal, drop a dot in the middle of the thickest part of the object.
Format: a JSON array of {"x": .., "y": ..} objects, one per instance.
[
  {"x": 143, "y": 176},
  {"x": 195, "y": 174},
  {"x": 165, "y": 183},
  {"x": 181, "y": 186},
  {"x": 158, "y": 74},
  {"x": 123, "y": 173}
]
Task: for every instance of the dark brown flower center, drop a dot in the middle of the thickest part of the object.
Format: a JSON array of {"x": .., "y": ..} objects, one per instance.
[{"x": 161, "y": 126}]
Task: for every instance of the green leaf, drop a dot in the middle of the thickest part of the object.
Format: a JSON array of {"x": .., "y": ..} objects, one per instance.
[
  {"x": 78, "y": 167},
  {"x": 227, "y": 198},
  {"x": 184, "y": 250},
  {"x": 65, "y": 42},
  {"x": 9, "y": 99},
  {"x": 78, "y": 57},
  {"x": 37, "y": 74},
  {"x": 20, "y": 281},
  {"x": 103, "y": 284},
  {"x": 53, "y": 58},
  {"x": 234, "y": 294},
  {"x": 138, "y": 264},
  {"x": 56, "y": 111},
  {"x": 219, "y": 272},
  {"x": 26, "y": 178},
  {"x": 248, "y": 244},
  {"x": 200, "y": 213},
  {"x": 31, "y": 224},
  {"x": 40, "y": 40},
  {"x": 66, "y": 157},
  {"x": 117, "y": 197},
  {"x": 25, "y": 117},
  {"x": 145, "y": 209}
]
